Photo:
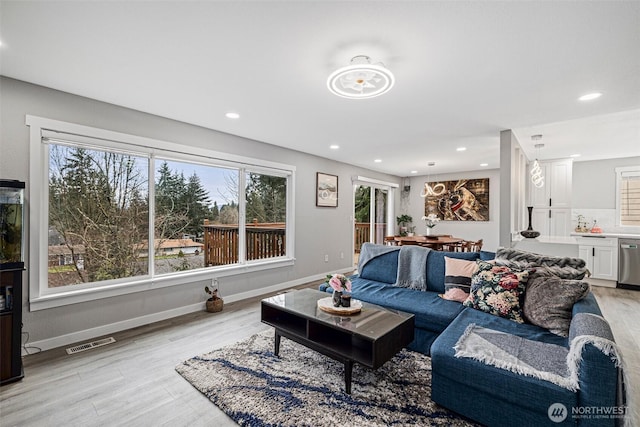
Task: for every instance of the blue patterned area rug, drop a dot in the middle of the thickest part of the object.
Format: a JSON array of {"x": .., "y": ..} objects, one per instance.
[{"x": 304, "y": 388}]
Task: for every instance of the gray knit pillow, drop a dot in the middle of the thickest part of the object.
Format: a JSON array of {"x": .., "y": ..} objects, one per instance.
[{"x": 548, "y": 302}]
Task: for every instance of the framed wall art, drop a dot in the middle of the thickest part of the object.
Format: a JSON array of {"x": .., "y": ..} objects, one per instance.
[
  {"x": 461, "y": 200},
  {"x": 326, "y": 190}
]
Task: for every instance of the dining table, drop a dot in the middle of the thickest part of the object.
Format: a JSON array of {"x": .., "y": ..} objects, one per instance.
[{"x": 435, "y": 242}]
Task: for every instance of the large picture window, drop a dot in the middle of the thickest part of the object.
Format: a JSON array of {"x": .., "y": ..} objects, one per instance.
[
  {"x": 117, "y": 213},
  {"x": 98, "y": 215}
]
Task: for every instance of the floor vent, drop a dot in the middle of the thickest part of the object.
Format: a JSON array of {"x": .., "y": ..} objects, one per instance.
[{"x": 90, "y": 345}]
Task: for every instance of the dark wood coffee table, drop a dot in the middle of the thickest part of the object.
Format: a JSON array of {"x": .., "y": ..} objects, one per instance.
[{"x": 371, "y": 337}]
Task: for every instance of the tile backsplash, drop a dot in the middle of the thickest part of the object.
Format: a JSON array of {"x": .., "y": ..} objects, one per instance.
[{"x": 606, "y": 219}]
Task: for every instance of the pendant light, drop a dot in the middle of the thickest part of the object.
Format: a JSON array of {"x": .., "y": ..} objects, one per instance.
[{"x": 537, "y": 179}]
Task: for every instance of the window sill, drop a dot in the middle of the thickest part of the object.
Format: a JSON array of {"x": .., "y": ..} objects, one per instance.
[{"x": 75, "y": 296}]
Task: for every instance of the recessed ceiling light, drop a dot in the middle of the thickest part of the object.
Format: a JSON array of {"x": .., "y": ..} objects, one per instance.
[
  {"x": 461, "y": 148},
  {"x": 378, "y": 160},
  {"x": 484, "y": 164},
  {"x": 575, "y": 155},
  {"x": 414, "y": 171},
  {"x": 232, "y": 116},
  {"x": 334, "y": 146},
  {"x": 590, "y": 96}
]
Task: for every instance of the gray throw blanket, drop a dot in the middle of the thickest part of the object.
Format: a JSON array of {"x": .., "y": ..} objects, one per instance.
[
  {"x": 412, "y": 267},
  {"x": 515, "y": 354},
  {"x": 560, "y": 366},
  {"x": 562, "y": 267}
]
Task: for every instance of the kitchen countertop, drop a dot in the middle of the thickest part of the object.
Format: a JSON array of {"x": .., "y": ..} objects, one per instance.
[
  {"x": 608, "y": 234},
  {"x": 562, "y": 240}
]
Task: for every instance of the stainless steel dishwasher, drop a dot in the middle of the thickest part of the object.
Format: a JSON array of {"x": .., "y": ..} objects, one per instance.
[{"x": 629, "y": 264}]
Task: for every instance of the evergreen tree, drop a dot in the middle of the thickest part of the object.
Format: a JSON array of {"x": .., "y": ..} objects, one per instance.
[
  {"x": 171, "y": 218},
  {"x": 214, "y": 212},
  {"x": 362, "y": 203},
  {"x": 266, "y": 198},
  {"x": 196, "y": 201}
]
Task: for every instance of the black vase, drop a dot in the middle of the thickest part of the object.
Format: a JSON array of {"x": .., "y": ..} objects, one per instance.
[
  {"x": 530, "y": 233},
  {"x": 337, "y": 298}
]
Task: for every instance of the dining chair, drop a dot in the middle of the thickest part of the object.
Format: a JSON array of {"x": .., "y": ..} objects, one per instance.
[
  {"x": 471, "y": 246},
  {"x": 454, "y": 247},
  {"x": 390, "y": 241}
]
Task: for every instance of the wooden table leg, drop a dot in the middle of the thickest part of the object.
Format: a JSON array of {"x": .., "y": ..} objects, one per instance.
[{"x": 348, "y": 370}]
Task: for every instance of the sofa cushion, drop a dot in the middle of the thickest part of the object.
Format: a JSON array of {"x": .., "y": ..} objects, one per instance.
[
  {"x": 548, "y": 302},
  {"x": 431, "y": 312},
  {"x": 486, "y": 255},
  {"x": 436, "y": 267},
  {"x": 497, "y": 290},
  {"x": 384, "y": 268}
]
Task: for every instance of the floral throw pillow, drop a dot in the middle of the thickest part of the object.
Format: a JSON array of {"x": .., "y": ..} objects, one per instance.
[{"x": 497, "y": 290}]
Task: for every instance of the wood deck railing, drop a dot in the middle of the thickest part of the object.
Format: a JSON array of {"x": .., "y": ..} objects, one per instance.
[
  {"x": 263, "y": 240},
  {"x": 361, "y": 234}
]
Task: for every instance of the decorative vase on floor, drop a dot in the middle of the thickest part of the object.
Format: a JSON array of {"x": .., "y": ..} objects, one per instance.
[
  {"x": 337, "y": 298},
  {"x": 530, "y": 233}
]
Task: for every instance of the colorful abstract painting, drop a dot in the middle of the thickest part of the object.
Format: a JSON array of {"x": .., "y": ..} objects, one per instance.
[{"x": 461, "y": 200}]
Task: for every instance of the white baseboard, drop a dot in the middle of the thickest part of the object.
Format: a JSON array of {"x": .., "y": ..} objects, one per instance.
[
  {"x": 91, "y": 333},
  {"x": 601, "y": 282}
]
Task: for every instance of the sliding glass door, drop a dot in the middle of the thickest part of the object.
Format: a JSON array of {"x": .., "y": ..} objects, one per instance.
[{"x": 372, "y": 210}]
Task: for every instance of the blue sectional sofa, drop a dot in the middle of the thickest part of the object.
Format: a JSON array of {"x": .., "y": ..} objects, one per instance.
[{"x": 480, "y": 390}]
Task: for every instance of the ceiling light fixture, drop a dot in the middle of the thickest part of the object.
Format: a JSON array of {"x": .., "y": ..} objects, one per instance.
[
  {"x": 378, "y": 160},
  {"x": 334, "y": 146},
  {"x": 232, "y": 116},
  {"x": 575, "y": 155},
  {"x": 536, "y": 171},
  {"x": 461, "y": 149},
  {"x": 361, "y": 79},
  {"x": 590, "y": 96},
  {"x": 428, "y": 190},
  {"x": 484, "y": 164}
]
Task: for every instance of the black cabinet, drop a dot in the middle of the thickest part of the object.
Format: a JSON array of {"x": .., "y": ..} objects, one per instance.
[{"x": 11, "y": 323}]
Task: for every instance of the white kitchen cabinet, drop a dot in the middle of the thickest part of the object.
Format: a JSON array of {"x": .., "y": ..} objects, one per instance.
[
  {"x": 601, "y": 255},
  {"x": 551, "y": 222},
  {"x": 556, "y": 191}
]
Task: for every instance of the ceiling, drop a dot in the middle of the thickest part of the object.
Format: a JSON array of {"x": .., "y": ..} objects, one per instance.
[{"x": 464, "y": 71}]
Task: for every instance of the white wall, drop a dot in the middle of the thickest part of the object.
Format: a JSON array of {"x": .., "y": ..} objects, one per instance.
[
  {"x": 594, "y": 182},
  {"x": 63, "y": 325},
  {"x": 468, "y": 230},
  {"x": 594, "y": 192}
]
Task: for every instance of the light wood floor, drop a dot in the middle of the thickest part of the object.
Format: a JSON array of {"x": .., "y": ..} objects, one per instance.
[{"x": 133, "y": 382}]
